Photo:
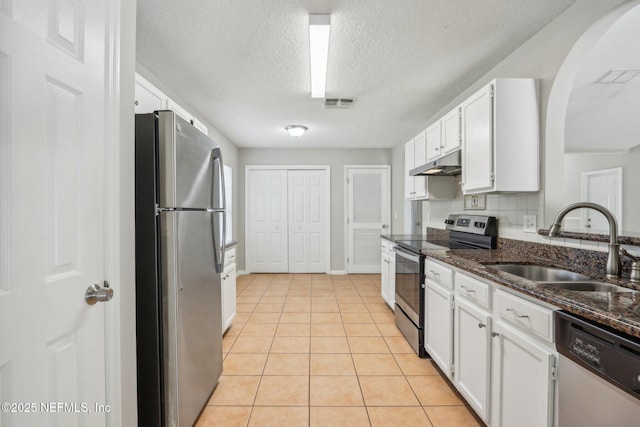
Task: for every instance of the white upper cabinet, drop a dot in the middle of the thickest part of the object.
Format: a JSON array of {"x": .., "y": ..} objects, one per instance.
[
  {"x": 443, "y": 137},
  {"x": 450, "y": 139},
  {"x": 500, "y": 138},
  {"x": 433, "y": 140},
  {"x": 149, "y": 98},
  {"x": 414, "y": 155},
  {"x": 421, "y": 187}
]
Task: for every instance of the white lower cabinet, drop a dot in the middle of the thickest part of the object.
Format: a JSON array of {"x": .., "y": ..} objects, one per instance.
[
  {"x": 495, "y": 347},
  {"x": 228, "y": 290},
  {"x": 439, "y": 326},
  {"x": 523, "y": 388},
  {"x": 388, "y": 273},
  {"x": 472, "y": 360}
]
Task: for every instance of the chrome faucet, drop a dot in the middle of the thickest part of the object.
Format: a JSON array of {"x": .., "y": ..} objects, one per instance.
[{"x": 613, "y": 260}]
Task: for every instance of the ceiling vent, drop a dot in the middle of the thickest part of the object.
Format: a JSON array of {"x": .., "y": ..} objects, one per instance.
[
  {"x": 341, "y": 103},
  {"x": 617, "y": 76}
]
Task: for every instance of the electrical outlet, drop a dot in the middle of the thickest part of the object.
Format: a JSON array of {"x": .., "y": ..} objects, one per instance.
[{"x": 529, "y": 224}]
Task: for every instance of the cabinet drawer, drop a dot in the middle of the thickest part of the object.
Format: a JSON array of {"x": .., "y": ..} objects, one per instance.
[
  {"x": 473, "y": 290},
  {"x": 438, "y": 273},
  {"x": 525, "y": 315},
  {"x": 230, "y": 256}
]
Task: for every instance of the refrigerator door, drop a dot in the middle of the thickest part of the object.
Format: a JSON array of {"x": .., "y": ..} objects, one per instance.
[
  {"x": 192, "y": 311},
  {"x": 185, "y": 164}
]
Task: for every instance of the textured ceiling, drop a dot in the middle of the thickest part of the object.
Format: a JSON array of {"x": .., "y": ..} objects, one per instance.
[
  {"x": 244, "y": 64},
  {"x": 606, "y": 117}
]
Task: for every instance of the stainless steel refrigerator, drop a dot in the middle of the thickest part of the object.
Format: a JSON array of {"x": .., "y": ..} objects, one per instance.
[{"x": 179, "y": 258}]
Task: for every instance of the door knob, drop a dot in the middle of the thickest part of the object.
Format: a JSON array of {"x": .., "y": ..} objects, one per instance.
[
  {"x": 385, "y": 226},
  {"x": 96, "y": 293}
]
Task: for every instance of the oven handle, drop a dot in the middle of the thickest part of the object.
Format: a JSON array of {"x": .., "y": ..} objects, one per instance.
[{"x": 412, "y": 256}]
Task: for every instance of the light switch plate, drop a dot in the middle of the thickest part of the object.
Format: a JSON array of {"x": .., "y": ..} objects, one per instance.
[{"x": 529, "y": 224}]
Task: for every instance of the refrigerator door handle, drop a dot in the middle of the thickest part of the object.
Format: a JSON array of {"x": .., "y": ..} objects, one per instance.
[{"x": 219, "y": 198}]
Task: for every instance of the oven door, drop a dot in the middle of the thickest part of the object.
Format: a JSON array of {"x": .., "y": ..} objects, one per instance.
[{"x": 410, "y": 284}]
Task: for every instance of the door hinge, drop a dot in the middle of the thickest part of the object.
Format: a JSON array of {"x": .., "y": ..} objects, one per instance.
[
  {"x": 453, "y": 304},
  {"x": 554, "y": 372},
  {"x": 348, "y": 221},
  {"x": 348, "y": 260},
  {"x": 493, "y": 177},
  {"x": 492, "y": 92},
  {"x": 453, "y": 371}
]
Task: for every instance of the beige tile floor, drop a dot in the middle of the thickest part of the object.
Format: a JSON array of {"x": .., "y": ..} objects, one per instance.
[{"x": 318, "y": 350}]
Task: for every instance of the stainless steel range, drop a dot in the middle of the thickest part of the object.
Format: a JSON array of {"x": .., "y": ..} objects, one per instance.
[{"x": 465, "y": 232}]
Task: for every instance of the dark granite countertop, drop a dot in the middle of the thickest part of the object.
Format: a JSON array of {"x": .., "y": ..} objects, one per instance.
[
  {"x": 230, "y": 244},
  {"x": 596, "y": 237},
  {"x": 618, "y": 311}
]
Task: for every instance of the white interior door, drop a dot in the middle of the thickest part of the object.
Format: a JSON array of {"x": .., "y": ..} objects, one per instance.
[
  {"x": 267, "y": 219},
  {"x": 368, "y": 214},
  {"x": 603, "y": 187},
  {"x": 52, "y": 127},
  {"x": 308, "y": 232}
]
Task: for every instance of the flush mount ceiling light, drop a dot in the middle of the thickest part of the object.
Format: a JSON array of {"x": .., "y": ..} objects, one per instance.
[
  {"x": 296, "y": 130},
  {"x": 319, "y": 26}
]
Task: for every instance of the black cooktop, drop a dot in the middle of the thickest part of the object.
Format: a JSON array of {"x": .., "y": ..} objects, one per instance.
[{"x": 416, "y": 245}]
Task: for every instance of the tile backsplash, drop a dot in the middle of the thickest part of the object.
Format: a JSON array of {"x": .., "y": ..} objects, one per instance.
[{"x": 509, "y": 209}]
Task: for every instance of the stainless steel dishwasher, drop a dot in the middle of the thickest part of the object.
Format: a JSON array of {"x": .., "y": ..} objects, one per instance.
[{"x": 598, "y": 375}]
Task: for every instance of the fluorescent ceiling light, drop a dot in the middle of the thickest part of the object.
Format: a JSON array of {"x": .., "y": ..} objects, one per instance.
[
  {"x": 319, "y": 26},
  {"x": 296, "y": 130}
]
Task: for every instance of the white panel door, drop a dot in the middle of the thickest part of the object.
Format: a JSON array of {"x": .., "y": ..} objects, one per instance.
[
  {"x": 368, "y": 213},
  {"x": 267, "y": 237},
  {"x": 307, "y": 221},
  {"x": 53, "y": 94},
  {"x": 603, "y": 187}
]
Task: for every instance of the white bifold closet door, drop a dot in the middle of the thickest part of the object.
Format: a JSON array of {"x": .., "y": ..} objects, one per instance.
[
  {"x": 307, "y": 239},
  {"x": 287, "y": 221},
  {"x": 267, "y": 243}
]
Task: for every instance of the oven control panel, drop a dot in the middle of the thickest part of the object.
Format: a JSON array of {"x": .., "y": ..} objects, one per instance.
[{"x": 476, "y": 224}]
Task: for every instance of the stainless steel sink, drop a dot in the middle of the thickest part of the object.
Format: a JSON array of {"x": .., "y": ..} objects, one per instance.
[
  {"x": 589, "y": 286},
  {"x": 540, "y": 273}
]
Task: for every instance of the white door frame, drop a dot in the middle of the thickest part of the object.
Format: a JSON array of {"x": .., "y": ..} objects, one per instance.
[
  {"x": 346, "y": 204},
  {"x": 326, "y": 168},
  {"x": 119, "y": 215}
]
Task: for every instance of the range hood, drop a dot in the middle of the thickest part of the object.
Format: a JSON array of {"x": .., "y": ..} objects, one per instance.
[{"x": 448, "y": 165}]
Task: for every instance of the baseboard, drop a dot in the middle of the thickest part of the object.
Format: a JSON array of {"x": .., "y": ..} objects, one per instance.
[
  {"x": 337, "y": 272},
  {"x": 240, "y": 272}
]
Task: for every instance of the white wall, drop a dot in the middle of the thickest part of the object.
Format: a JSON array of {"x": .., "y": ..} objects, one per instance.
[
  {"x": 541, "y": 58},
  {"x": 337, "y": 159}
]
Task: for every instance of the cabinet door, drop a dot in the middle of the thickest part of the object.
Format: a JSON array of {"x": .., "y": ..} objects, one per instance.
[
  {"x": 148, "y": 97},
  {"x": 409, "y": 191},
  {"x": 523, "y": 390},
  {"x": 433, "y": 139},
  {"x": 439, "y": 326},
  {"x": 419, "y": 158},
  {"x": 450, "y": 139},
  {"x": 384, "y": 276},
  {"x": 392, "y": 280},
  {"x": 477, "y": 141},
  {"x": 472, "y": 350},
  {"x": 228, "y": 286}
]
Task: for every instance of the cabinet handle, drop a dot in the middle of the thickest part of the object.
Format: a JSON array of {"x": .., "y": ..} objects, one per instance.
[
  {"x": 435, "y": 273},
  {"x": 520, "y": 316},
  {"x": 481, "y": 325},
  {"x": 494, "y": 334},
  {"x": 467, "y": 289}
]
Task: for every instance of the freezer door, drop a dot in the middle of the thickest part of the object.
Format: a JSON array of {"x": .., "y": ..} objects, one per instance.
[
  {"x": 186, "y": 164},
  {"x": 192, "y": 311}
]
